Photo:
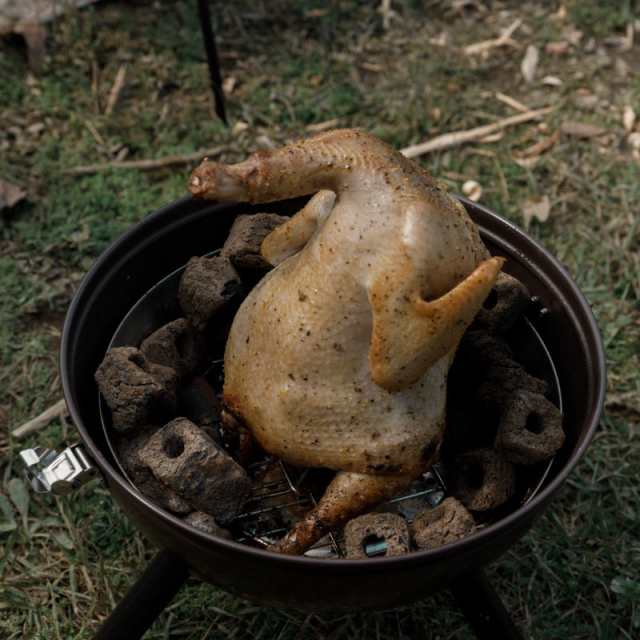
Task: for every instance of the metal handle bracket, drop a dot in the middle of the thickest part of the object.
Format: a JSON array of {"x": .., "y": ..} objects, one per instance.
[{"x": 59, "y": 473}]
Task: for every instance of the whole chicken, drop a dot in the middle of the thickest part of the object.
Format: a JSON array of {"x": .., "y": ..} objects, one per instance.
[{"x": 338, "y": 358}]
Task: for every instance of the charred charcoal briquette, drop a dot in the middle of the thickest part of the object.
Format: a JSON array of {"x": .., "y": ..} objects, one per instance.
[
  {"x": 141, "y": 476},
  {"x": 207, "y": 523},
  {"x": 449, "y": 521},
  {"x": 182, "y": 456},
  {"x": 484, "y": 479},
  {"x": 208, "y": 286},
  {"x": 504, "y": 305},
  {"x": 176, "y": 345},
  {"x": 137, "y": 391},
  {"x": 245, "y": 238},
  {"x": 384, "y": 534},
  {"x": 530, "y": 429},
  {"x": 199, "y": 403}
]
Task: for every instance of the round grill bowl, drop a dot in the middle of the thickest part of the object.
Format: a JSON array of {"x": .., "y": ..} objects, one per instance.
[{"x": 163, "y": 242}]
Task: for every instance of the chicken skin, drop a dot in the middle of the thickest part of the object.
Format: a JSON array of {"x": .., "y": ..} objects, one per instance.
[{"x": 338, "y": 358}]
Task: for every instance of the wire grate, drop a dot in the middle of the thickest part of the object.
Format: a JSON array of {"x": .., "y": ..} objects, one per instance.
[{"x": 284, "y": 495}]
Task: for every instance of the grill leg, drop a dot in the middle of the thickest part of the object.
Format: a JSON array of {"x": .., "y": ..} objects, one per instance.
[
  {"x": 483, "y": 608},
  {"x": 212, "y": 58},
  {"x": 146, "y": 599}
]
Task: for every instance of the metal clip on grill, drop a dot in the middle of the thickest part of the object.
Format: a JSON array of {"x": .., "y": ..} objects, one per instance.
[{"x": 47, "y": 471}]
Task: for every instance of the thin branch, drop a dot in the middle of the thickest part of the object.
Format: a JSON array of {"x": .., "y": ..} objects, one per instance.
[
  {"x": 503, "y": 39},
  {"x": 144, "y": 165},
  {"x": 46, "y": 417},
  {"x": 456, "y": 138},
  {"x": 114, "y": 94},
  {"x": 512, "y": 102}
]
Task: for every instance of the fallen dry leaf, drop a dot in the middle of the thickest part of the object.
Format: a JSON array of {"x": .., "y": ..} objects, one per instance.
[
  {"x": 36, "y": 128},
  {"x": 585, "y": 100},
  {"x": 527, "y": 163},
  {"x": 581, "y": 129},
  {"x": 10, "y": 194},
  {"x": 372, "y": 66},
  {"x": 441, "y": 40},
  {"x": 265, "y": 142},
  {"x": 621, "y": 68},
  {"x": 472, "y": 190},
  {"x": 538, "y": 208},
  {"x": 530, "y": 63},
  {"x": 634, "y": 140},
  {"x": 551, "y": 81},
  {"x": 229, "y": 84},
  {"x": 540, "y": 147},
  {"x": 239, "y": 127},
  {"x": 316, "y": 13},
  {"x": 628, "y": 118},
  {"x": 557, "y": 48},
  {"x": 572, "y": 34},
  {"x": 322, "y": 126}
]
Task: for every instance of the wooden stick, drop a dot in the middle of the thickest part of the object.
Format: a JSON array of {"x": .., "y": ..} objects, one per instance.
[
  {"x": 55, "y": 411},
  {"x": 503, "y": 39},
  {"x": 512, "y": 102},
  {"x": 144, "y": 165},
  {"x": 114, "y": 94},
  {"x": 540, "y": 147},
  {"x": 456, "y": 138}
]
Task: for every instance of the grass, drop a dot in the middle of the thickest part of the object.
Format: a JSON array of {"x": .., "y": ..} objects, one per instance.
[{"x": 65, "y": 562}]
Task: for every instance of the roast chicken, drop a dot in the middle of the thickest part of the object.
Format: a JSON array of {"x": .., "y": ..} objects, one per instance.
[{"x": 338, "y": 358}]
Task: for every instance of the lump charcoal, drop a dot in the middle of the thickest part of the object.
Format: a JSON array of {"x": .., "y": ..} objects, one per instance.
[
  {"x": 199, "y": 403},
  {"x": 182, "y": 456},
  {"x": 245, "y": 239},
  {"x": 176, "y": 345},
  {"x": 136, "y": 390},
  {"x": 530, "y": 429},
  {"x": 484, "y": 479},
  {"x": 207, "y": 287},
  {"x": 491, "y": 359},
  {"x": 376, "y": 527},
  {"x": 504, "y": 305},
  {"x": 129, "y": 455},
  {"x": 449, "y": 521},
  {"x": 207, "y": 523}
]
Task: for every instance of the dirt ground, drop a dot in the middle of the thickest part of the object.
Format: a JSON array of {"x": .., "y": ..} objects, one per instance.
[{"x": 122, "y": 82}]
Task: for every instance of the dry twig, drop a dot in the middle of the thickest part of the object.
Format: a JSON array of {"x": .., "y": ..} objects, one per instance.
[
  {"x": 503, "y": 39},
  {"x": 114, "y": 94},
  {"x": 512, "y": 102},
  {"x": 456, "y": 138},
  {"x": 144, "y": 165},
  {"x": 540, "y": 147},
  {"x": 57, "y": 410}
]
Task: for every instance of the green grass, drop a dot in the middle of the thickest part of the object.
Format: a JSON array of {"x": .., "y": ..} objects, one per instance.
[{"x": 65, "y": 562}]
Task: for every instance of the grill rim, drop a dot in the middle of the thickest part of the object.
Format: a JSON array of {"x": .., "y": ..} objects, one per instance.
[{"x": 490, "y": 224}]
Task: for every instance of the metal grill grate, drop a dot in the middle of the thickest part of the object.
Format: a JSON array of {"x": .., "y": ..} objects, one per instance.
[{"x": 285, "y": 496}]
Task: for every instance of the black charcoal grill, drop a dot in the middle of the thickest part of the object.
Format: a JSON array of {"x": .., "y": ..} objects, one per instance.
[{"x": 560, "y": 336}]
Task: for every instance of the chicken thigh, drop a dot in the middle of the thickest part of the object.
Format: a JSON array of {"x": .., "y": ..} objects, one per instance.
[{"x": 338, "y": 358}]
